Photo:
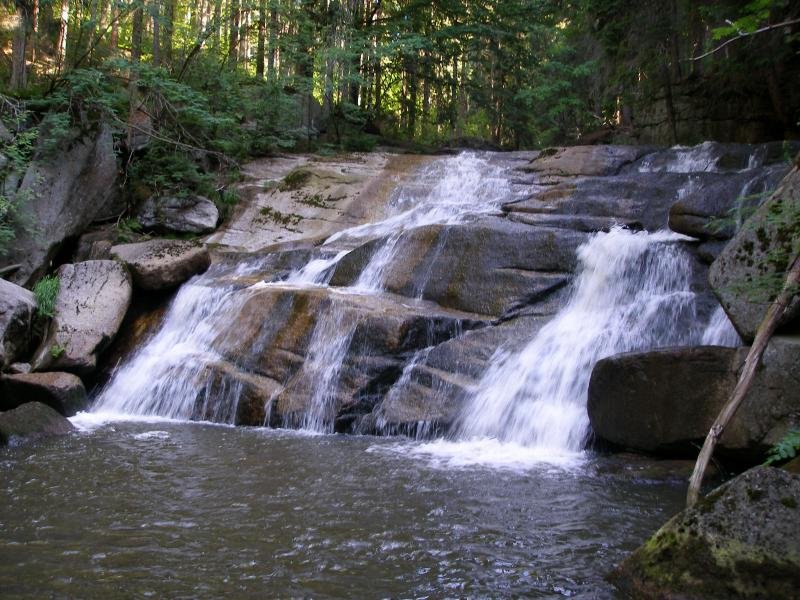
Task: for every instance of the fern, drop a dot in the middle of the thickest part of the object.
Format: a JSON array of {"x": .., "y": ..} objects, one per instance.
[{"x": 785, "y": 448}]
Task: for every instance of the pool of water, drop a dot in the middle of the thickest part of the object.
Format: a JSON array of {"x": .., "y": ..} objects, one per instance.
[{"x": 183, "y": 510}]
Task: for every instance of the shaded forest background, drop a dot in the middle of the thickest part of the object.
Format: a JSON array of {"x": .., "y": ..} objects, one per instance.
[{"x": 190, "y": 87}]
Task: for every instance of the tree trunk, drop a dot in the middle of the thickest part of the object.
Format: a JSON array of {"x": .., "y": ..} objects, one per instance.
[
  {"x": 154, "y": 13},
  {"x": 113, "y": 41},
  {"x": 169, "y": 26},
  {"x": 137, "y": 27},
  {"x": 61, "y": 42},
  {"x": 262, "y": 38},
  {"x": 19, "y": 67},
  {"x": 763, "y": 335},
  {"x": 273, "y": 41},
  {"x": 233, "y": 33}
]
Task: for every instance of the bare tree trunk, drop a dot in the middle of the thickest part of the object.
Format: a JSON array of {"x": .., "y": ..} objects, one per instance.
[
  {"x": 217, "y": 25},
  {"x": 114, "y": 40},
  {"x": 19, "y": 67},
  {"x": 155, "y": 15},
  {"x": 233, "y": 33},
  {"x": 61, "y": 42},
  {"x": 34, "y": 39},
  {"x": 137, "y": 28},
  {"x": 763, "y": 335},
  {"x": 169, "y": 26},
  {"x": 262, "y": 38},
  {"x": 273, "y": 41}
]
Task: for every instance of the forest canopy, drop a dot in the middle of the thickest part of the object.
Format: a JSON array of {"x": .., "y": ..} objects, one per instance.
[{"x": 243, "y": 77}]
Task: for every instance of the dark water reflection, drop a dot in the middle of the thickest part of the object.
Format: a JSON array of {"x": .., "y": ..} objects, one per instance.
[{"x": 171, "y": 510}]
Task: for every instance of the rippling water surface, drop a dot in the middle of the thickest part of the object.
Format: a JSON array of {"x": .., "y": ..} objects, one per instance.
[{"x": 178, "y": 510}]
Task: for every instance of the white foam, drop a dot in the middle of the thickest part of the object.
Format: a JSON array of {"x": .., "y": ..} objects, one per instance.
[{"x": 485, "y": 452}]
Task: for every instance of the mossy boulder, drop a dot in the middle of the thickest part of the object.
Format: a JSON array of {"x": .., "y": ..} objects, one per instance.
[
  {"x": 750, "y": 271},
  {"x": 740, "y": 541}
]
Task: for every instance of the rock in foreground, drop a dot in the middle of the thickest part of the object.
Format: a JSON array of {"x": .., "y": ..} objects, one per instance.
[
  {"x": 665, "y": 401},
  {"x": 32, "y": 420},
  {"x": 92, "y": 300},
  {"x": 17, "y": 308},
  {"x": 63, "y": 392},
  {"x": 740, "y": 541},
  {"x": 162, "y": 264}
]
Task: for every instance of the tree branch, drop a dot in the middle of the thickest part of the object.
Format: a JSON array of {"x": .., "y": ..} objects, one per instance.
[
  {"x": 744, "y": 34},
  {"x": 765, "y": 331}
]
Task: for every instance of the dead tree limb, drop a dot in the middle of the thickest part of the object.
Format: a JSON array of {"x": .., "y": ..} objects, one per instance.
[
  {"x": 744, "y": 34},
  {"x": 763, "y": 335}
]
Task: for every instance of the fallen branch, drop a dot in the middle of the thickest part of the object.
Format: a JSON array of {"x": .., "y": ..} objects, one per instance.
[
  {"x": 763, "y": 335},
  {"x": 741, "y": 35}
]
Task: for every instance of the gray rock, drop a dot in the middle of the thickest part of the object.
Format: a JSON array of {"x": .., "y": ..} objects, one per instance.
[
  {"x": 31, "y": 421},
  {"x": 190, "y": 214},
  {"x": 228, "y": 395},
  {"x": 17, "y": 310},
  {"x": 17, "y": 368},
  {"x": 665, "y": 401},
  {"x": 62, "y": 197},
  {"x": 585, "y": 160},
  {"x": 162, "y": 264},
  {"x": 750, "y": 270},
  {"x": 62, "y": 391},
  {"x": 92, "y": 301},
  {"x": 709, "y": 201},
  {"x": 515, "y": 264},
  {"x": 433, "y": 389},
  {"x": 741, "y": 541}
]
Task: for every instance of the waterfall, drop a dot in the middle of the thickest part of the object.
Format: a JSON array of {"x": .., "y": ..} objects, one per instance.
[
  {"x": 632, "y": 293},
  {"x": 463, "y": 187}
]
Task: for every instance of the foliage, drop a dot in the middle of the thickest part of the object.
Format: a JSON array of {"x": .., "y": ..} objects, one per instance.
[
  {"x": 785, "y": 449},
  {"x": 45, "y": 291},
  {"x": 56, "y": 350}
]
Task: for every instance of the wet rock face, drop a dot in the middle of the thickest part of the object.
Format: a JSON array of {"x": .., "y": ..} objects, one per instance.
[
  {"x": 189, "y": 214},
  {"x": 586, "y": 160},
  {"x": 17, "y": 310},
  {"x": 92, "y": 300},
  {"x": 65, "y": 195},
  {"x": 63, "y": 392},
  {"x": 31, "y": 421},
  {"x": 489, "y": 267},
  {"x": 162, "y": 264},
  {"x": 741, "y": 541},
  {"x": 665, "y": 401},
  {"x": 749, "y": 271}
]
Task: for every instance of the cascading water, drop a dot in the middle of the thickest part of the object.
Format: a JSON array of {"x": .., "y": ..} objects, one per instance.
[
  {"x": 463, "y": 187},
  {"x": 167, "y": 377},
  {"x": 632, "y": 293}
]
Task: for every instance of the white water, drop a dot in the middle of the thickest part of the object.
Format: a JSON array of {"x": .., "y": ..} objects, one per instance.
[
  {"x": 461, "y": 187},
  {"x": 632, "y": 293}
]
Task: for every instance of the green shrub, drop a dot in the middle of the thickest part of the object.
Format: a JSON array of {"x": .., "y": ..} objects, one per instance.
[{"x": 46, "y": 290}]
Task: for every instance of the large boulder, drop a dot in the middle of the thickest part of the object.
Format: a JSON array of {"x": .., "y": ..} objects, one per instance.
[
  {"x": 228, "y": 395},
  {"x": 62, "y": 196},
  {"x": 17, "y": 310},
  {"x": 183, "y": 214},
  {"x": 740, "y": 541},
  {"x": 585, "y": 160},
  {"x": 31, "y": 421},
  {"x": 665, "y": 401},
  {"x": 490, "y": 267},
  {"x": 62, "y": 391},
  {"x": 750, "y": 270},
  {"x": 92, "y": 301},
  {"x": 162, "y": 264}
]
